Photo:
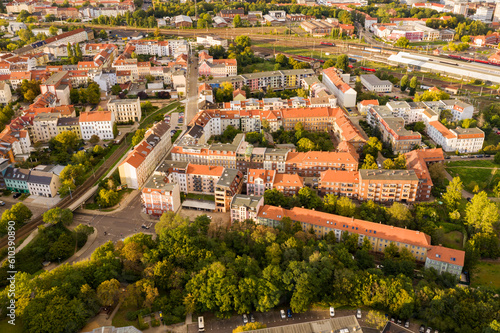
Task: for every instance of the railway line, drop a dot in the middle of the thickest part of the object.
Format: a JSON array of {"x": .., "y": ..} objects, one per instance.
[{"x": 25, "y": 230}]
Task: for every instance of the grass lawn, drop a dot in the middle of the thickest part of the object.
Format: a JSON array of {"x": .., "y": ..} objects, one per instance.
[
  {"x": 473, "y": 163},
  {"x": 6, "y": 327},
  {"x": 200, "y": 197},
  {"x": 306, "y": 51},
  {"x": 428, "y": 43},
  {"x": 486, "y": 179},
  {"x": 487, "y": 274},
  {"x": 258, "y": 67},
  {"x": 146, "y": 122},
  {"x": 119, "y": 320},
  {"x": 453, "y": 240}
]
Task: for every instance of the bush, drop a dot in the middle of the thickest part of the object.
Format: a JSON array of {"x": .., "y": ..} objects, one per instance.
[
  {"x": 154, "y": 321},
  {"x": 131, "y": 315},
  {"x": 142, "y": 325}
]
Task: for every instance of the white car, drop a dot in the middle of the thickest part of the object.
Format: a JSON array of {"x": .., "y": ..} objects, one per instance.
[
  {"x": 332, "y": 311},
  {"x": 358, "y": 314},
  {"x": 283, "y": 314}
]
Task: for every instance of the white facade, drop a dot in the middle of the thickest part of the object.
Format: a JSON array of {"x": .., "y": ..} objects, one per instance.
[
  {"x": 125, "y": 109},
  {"x": 102, "y": 126},
  {"x": 346, "y": 96},
  {"x": 45, "y": 126},
  {"x": 373, "y": 83},
  {"x": 5, "y": 93}
]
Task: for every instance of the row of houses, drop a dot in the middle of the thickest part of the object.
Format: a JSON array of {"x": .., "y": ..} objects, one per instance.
[
  {"x": 325, "y": 27},
  {"x": 42, "y": 180},
  {"x": 392, "y": 118}
]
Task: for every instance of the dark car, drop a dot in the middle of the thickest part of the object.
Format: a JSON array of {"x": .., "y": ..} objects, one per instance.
[
  {"x": 289, "y": 313},
  {"x": 252, "y": 318},
  {"x": 16, "y": 195},
  {"x": 447, "y": 157}
]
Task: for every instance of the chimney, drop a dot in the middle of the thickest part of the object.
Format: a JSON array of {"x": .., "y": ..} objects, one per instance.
[{"x": 353, "y": 218}]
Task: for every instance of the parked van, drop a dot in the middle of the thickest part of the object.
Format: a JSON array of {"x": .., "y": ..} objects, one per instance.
[{"x": 201, "y": 324}]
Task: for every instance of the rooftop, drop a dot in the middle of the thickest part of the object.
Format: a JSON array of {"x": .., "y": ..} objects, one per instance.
[{"x": 249, "y": 201}]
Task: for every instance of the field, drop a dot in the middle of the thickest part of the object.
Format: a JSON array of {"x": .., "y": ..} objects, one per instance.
[
  {"x": 258, "y": 67},
  {"x": 473, "y": 163},
  {"x": 487, "y": 274},
  {"x": 453, "y": 240},
  {"x": 485, "y": 178},
  {"x": 6, "y": 327}
]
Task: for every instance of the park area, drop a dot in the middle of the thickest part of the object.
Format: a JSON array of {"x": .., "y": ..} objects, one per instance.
[
  {"x": 487, "y": 274},
  {"x": 476, "y": 174}
]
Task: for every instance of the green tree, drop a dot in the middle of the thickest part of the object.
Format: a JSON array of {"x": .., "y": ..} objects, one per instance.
[
  {"x": 103, "y": 34},
  {"x": 18, "y": 213},
  {"x": 58, "y": 216},
  {"x": 402, "y": 42},
  {"x": 453, "y": 194},
  {"x": 399, "y": 214},
  {"x": 413, "y": 85},
  {"x": 138, "y": 136},
  {"x": 481, "y": 214},
  {"x": 237, "y": 21},
  {"x": 372, "y": 146},
  {"x": 376, "y": 319},
  {"x": 53, "y": 30},
  {"x": 330, "y": 203},
  {"x": 369, "y": 162},
  {"x": 305, "y": 144},
  {"x": 389, "y": 164},
  {"x": 94, "y": 139},
  {"x": 108, "y": 198},
  {"x": 329, "y": 63},
  {"x": 108, "y": 292},
  {"x": 69, "y": 49},
  {"x": 345, "y": 206},
  {"x": 404, "y": 83},
  {"x": 342, "y": 62}
]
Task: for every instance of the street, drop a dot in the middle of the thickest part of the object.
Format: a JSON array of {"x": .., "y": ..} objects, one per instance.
[{"x": 192, "y": 91}]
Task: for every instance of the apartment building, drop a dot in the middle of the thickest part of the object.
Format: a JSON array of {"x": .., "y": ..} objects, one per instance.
[
  {"x": 288, "y": 184},
  {"x": 159, "y": 197},
  {"x": 59, "y": 85},
  {"x": 312, "y": 163},
  {"x": 245, "y": 207},
  {"x": 5, "y": 93},
  {"x": 45, "y": 126},
  {"x": 44, "y": 181},
  {"x": 72, "y": 37},
  {"x": 379, "y": 235},
  {"x": 15, "y": 143},
  {"x": 417, "y": 160},
  {"x": 71, "y": 124},
  {"x": 392, "y": 129},
  {"x": 144, "y": 158},
  {"x": 16, "y": 180},
  {"x": 337, "y": 84},
  {"x": 229, "y": 184},
  {"x": 98, "y": 123},
  {"x": 373, "y": 83},
  {"x": 207, "y": 41},
  {"x": 151, "y": 47},
  {"x": 259, "y": 180},
  {"x": 463, "y": 140},
  {"x": 125, "y": 110},
  {"x": 460, "y": 110},
  {"x": 202, "y": 179}
]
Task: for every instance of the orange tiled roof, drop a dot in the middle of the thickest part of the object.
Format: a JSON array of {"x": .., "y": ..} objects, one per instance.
[
  {"x": 207, "y": 170},
  {"x": 95, "y": 116},
  {"x": 266, "y": 175},
  {"x": 288, "y": 180}
]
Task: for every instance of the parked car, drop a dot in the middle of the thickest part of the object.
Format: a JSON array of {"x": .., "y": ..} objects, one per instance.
[
  {"x": 16, "y": 195},
  {"x": 2, "y": 203},
  {"x": 282, "y": 313},
  {"x": 358, "y": 314},
  {"x": 429, "y": 330},
  {"x": 399, "y": 322},
  {"x": 421, "y": 329},
  {"x": 252, "y": 318},
  {"x": 393, "y": 319},
  {"x": 407, "y": 324},
  {"x": 289, "y": 313},
  {"x": 332, "y": 311},
  {"x": 245, "y": 319},
  {"x": 447, "y": 157}
]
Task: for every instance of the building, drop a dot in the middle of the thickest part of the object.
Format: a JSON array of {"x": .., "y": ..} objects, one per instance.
[
  {"x": 373, "y": 83},
  {"x": 71, "y": 124},
  {"x": 463, "y": 140},
  {"x": 245, "y": 207},
  {"x": 379, "y": 235},
  {"x": 125, "y": 110},
  {"x": 336, "y": 83},
  {"x": 417, "y": 160},
  {"x": 159, "y": 197},
  {"x": 45, "y": 126},
  {"x": 259, "y": 180},
  {"x": 5, "y": 93},
  {"x": 143, "y": 159},
  {"x": 229, "y": 184},
  {"x": 183, "y": 21},
  {"x": 288, "y": 184},
  {"x": 207, "y": 41},
  {"x": 44, "y": 180},
  {"x": 312, "y": 163},
  {"x": 98, "y": 123},
  {"x": 16, "y": 180},
  {"x": 231, "y": 13}
]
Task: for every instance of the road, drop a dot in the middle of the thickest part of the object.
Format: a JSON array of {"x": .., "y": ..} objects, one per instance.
[
  {"x": 273, "y": 319},
  {"x": 192, "y": 90}
]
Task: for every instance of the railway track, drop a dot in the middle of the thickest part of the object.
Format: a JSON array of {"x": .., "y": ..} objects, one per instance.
[{"x": 25, "y": 230}]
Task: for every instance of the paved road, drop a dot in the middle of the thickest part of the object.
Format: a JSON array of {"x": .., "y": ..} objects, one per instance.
[{"x": 192, "y": 91}]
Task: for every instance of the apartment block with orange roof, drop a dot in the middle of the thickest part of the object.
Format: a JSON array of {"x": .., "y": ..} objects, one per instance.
[
  {"x": 140, "y": 163},
  {"x": 288, "y": 184},
  {"x": 338, "y": 85},
  {"x": 379, "y": 235},
  {"x": 259, "y": 180},
  {"x": 417, "y": 161},
  {"x": 312, "y": 163},
  {"x": 98, "y": 123}
]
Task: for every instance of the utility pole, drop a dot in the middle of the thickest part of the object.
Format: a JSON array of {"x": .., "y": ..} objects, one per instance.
[{"x": 195, "y": 10}]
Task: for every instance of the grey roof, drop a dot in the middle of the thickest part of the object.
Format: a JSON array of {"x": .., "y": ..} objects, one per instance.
[
  {"x": 456, "y": 102},
  {"x": 158, "y": 182},
  {"x": 250, "y": 201},
  {"x": 195, "y": 132},
  {"x": 122, "y": 101},
  {"x": 16, "y": 174},
  {"x": 472, "y": 130},
  {"x": 40, "y": 177},
  {"x": 384, "y": 174},
  {"x": 167, "y": 164},
  {"x": 276, "y": 152},
  {"x": 55, "y": 78},
  {"x": 112, "y": 329},
  {"x": 68, "y": 121},
  {"x": 47, "y": 116},
  {"x": 227, "y": 177},
  {"x": 375, "y": 81},
  {"x": 336, "y": 325}
]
